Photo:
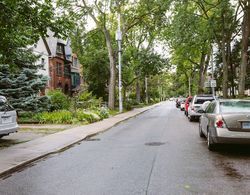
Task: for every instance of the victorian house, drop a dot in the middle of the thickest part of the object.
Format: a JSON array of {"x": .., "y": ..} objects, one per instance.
[{"x": 60, "y": 64}]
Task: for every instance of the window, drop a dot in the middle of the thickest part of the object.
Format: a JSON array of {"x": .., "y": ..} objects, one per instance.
[
  {"x": 202, "y": 100},
  {"x": 235, "y": 106},
  {"x": 67, "y": 70},
  {"x": 58, "y": 69},
  {"x": 211, "y": 108},
  {"x": 75, "y": 62},
  {"x": 59, "y": 48},
  {"x": 43, "y": 62}
]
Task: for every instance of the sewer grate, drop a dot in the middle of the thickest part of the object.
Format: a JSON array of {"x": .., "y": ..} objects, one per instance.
[
  {"x": 155, "y": 143},
  {"x": 92, "y": 139}
]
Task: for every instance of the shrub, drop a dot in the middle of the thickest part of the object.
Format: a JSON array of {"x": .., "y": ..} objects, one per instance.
[
  {"x": 103, "y": 112},
  {"x": 55, "y": 117},
  {"x": 91, "y": 116},
  {"x": 86, "y": 100},
  {"x": 59, "y": 101}
]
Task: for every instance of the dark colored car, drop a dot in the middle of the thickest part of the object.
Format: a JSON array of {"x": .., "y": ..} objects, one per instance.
[{"x": 226, "y": 121}]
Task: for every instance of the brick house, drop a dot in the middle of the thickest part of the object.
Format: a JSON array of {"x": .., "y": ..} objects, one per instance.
[
  {"x": 59, "y": 69},
  {"x": 60, "y": 64}
]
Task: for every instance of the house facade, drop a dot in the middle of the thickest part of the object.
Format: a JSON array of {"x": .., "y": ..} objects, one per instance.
[{"x": 60, "y": 64}]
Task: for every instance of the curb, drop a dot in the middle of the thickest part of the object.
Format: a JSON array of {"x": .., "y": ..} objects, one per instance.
[{"x": 22, "y": 165}]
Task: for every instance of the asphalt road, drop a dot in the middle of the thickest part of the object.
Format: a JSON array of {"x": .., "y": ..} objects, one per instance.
[{"x": 157, "y": 152}]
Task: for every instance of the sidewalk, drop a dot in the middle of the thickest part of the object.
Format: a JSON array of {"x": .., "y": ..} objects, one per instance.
[{"x": 19, "y": 155}]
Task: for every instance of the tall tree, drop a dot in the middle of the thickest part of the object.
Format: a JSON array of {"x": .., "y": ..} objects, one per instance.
[
  {"x": 245, "y": 4},
  {"x": 22, "y": 23},
  {"x": 103, "y": 14}
]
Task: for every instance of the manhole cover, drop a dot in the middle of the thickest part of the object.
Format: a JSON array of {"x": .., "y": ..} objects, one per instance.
[
  {"x": 154, "y": 143},
  {"x": 92, "y": 139}
]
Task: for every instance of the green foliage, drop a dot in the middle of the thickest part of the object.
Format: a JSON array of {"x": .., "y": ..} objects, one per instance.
[
  {"x": 22, "y": 23},
  {"x": 92, "y": 53},
  {"x": 86, "y": 100},
  {"x": 59, "y": 101},
  {"x": 56, "y": 117},
  {"x": 67, "y": 117},
  {"x": 23, "y": 86},
  {"x": 103, "y": 112}
]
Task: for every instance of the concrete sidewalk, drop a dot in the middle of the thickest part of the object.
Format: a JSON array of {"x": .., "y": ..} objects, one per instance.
[{"x": 19, "y": 155}]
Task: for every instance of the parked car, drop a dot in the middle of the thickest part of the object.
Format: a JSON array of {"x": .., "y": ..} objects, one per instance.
[
  {"x": 187, "y": 103},
  {"x": 182, "y": 105},
  {"x": 178, "y": 101},
  {"x": 226, "y": 121},
  {"x": 194, "y": 109},
  {"x": 8, "y": 118}
]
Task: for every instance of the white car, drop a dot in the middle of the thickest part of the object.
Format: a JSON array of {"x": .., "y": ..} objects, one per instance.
[
  {"x": 182, "y": 106},
  {"x": 8, "y": 118},
  {"x": 194, "y": 110}
]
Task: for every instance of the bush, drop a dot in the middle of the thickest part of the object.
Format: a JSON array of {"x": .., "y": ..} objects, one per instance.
[
  {"x": 55, "y": 117},
  {"x": 91, "y": 116},
  {"x": 86, "y": 100},
  {"x": 103, "y": 112},
  {"x": 59, "y": 101}
]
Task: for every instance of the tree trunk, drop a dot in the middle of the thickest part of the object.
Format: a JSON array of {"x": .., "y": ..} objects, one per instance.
[
  {"x": 201, "y": 73},
  {"x": 225, "y": 69},
  {"x": 138, "y": 91},
  {"x": 244, "y": 56},
  {"x": 232, "y": 75},
  {"x": 146, "y": 89},
  {"x": 111, "y": 98}
]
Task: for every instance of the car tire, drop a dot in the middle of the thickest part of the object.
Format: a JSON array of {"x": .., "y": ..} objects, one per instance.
[
  {"x": 190, "y": 118},
  {"x": 201, "y": 134},
  {"x": 210, "y": 143}
]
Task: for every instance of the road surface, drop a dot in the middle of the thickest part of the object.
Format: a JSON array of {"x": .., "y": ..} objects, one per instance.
[{"x": 158, "y": 152}]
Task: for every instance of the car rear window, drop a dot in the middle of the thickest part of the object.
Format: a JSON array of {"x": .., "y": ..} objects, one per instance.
[
  {"x": 235, "y": 106},
  {"x": 202, "y": 100}
]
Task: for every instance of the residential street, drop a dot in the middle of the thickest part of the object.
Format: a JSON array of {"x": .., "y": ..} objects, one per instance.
[{"x": 157, "y": 152}]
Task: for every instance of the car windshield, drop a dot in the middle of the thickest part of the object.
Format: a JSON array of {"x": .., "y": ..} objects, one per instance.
[
  {"x": 4, "y": 106},
  {"x": 202, "y": 100},
  {"x": 235, "y": 106}
]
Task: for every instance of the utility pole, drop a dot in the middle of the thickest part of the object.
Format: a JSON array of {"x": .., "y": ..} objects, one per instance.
[{"x": 119, "y": 40}]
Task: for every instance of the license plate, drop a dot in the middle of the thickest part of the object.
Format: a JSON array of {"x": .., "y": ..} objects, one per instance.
[
  {"x": 6, "y": 120},
  {"x": 245, "y": 125}
]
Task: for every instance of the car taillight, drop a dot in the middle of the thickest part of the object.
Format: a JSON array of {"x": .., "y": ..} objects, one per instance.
[{"x": 219, "y": 123}]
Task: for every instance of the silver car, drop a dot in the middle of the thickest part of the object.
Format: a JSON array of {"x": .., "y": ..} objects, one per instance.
[
  {"x": 226, "y": 121},
  {"x": 8, "y": 118}
]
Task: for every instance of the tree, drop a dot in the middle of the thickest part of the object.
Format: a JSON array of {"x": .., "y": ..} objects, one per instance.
[
  {"x": 93, "y": 56},
  {"x": 245, "y": 4},
  {"x": 103, "y": 13},
  {"x": 22, "y": 23},
  {"x": 22, "y": 88}
]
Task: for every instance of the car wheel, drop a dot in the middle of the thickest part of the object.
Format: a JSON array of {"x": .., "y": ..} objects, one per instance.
[
  {"x": 200, "y": 131},
  {"x": 210, "y": 143},
  {"x": 190, "y": 118}
]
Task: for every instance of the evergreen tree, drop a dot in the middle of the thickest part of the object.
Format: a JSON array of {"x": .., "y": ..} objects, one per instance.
[{"x": 23, "y": 85}]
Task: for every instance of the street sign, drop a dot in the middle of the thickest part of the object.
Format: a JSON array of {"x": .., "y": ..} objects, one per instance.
[
  {"x": 213, "y": 83},
  {"x": 207, "y": 84},
  {"x": 210, "y": 83}
]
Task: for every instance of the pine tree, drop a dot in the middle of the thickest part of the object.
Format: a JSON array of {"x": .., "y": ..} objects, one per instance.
[{"x": 22, "y": 85}]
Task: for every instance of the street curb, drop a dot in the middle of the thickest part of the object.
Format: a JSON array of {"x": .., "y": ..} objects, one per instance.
[{"x": 6, "y": 173}]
